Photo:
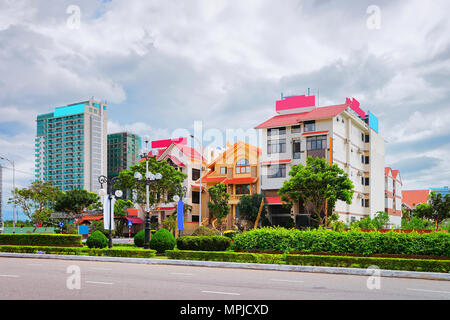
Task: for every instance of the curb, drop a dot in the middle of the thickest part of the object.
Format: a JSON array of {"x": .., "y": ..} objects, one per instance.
[{"x": 240, "y": 265}]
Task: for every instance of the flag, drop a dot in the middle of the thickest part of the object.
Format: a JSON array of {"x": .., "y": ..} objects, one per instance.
[
  {"x": 106, "y": 212},
  {"x": 180, "y": 219}
]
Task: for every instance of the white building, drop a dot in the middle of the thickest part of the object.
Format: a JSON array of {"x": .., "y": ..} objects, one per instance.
[
  {"x": 393, "y": 196},
  {"x": 343, "y": 133}
]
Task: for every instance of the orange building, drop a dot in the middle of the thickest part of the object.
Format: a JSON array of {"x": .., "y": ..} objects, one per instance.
[{"x": 238, "y": 168}]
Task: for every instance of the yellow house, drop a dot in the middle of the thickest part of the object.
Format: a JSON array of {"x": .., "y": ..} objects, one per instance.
[{"x": 238, "y": 168}]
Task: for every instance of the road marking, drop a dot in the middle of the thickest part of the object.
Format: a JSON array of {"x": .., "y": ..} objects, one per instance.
[
  {"x": 183, "y": 274},
  {"x": 98, "y": 282},
  {"x": 34, "y": 264},
  {"x": 103, "y": 269},
  {"x": 218, "y": 292},
  {"x": 297, "y": 281},
  {"x": 9, "y": 275},
  {"x": 435, "y": 291}
]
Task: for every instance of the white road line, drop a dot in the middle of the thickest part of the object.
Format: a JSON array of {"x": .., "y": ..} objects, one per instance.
[
  {"x": 297, "y": 281},
  {"x": 183, "y": 274},
  {"x": 34, "y": 264},
  {"x": 98, "y": 282},
  {"x": 424, "y": 290},
  {"x": 218, "y": 292},
  {"x": 102, "y": 269},
  {"x": 9, "y": 275}
]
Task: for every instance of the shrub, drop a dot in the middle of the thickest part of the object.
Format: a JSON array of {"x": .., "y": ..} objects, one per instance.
[
  {"x": 162, "y": 240},
  {"x": 227, "y": 256},
  {"x": 36, "y": 239},
  {"x": 365, "y": 243},
  {"x": 230, "y": 233},
  {"x": 139, "y": 238},
  {"x": 97, "y": 240},
  {"x": 203, "y": 231},
  {"x": 203, "y": 243}
]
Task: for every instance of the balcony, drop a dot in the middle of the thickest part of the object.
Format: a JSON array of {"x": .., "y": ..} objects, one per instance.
[{"x": 320, "y": 153}]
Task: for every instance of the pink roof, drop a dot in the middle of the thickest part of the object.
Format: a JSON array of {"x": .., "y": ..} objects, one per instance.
[
  {"x": 295, "y": 102},
  {"x": 386, "y": 171},
  {"x": 190, "y": 152},
  {"x": 290, "y": 119},
  {"x": 165, "y": 143},
  {"x": 176, "y": 160}
]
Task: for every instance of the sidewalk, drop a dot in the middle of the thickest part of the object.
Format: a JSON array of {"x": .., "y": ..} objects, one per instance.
[{"x": 238, "y": 265}]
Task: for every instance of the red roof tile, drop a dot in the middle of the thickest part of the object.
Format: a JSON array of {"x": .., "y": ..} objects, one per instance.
[
  {"x": 317, "y": 113},
  {"x": 414, "y": 197}
]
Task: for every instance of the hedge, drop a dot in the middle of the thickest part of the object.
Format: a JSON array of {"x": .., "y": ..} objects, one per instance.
[
  {"x": 203, "y": 243},
  {"x": 40, "y": 239},
  {"x": 226, "y": 256},
  {"x": 114, "y": 252},
  {"x": 424, "y": 265},
  {"x": 365, "y": 243}
]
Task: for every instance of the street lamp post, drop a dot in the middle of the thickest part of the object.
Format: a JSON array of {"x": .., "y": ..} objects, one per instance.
[
  {"x": 150, "y": 178},
  {"x": 110, "y": 192},
  {"x": 14, "y": 188},
  {"x": 201, "y": 171}
]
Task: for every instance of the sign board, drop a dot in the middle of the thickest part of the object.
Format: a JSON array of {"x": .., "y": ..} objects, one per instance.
[
  {"x": 61, "y": 224},
  {"x": 180, "y": 220},
  {"x": 83, "y": 229},
  {"x": 130, "y": 223}
]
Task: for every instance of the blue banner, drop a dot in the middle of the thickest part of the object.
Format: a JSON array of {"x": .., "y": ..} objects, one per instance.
[
  {"x": 180, "y": 219},
  {"x": 83, "y": 229}
]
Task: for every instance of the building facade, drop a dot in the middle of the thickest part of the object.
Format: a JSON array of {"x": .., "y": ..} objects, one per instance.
[
  {"x": 70, "y": 146},
  {"x": 123, "y": 152},
  {"x": 342, "y": 134},
  {"x": 238, "y": 168},
  {"x": 393, "y": 196}
]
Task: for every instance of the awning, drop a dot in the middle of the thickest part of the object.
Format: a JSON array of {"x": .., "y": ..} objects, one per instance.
[
  {"x": 240, "y": 180},
  {"x": 135, "y": 220},
  {"x": 274, "y": 200},
  {"x": 90, "y": 218},
  {"x": 314, "y": 132},
  {"x": 197, "y": 186},
  {"x": 275, "y": 162}
]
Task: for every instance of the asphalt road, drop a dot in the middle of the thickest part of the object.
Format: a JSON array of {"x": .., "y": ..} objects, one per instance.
[{"x": 22, "y": 278}]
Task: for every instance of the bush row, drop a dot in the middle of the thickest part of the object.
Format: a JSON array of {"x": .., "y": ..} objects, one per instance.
[
  {"x": 227, "y": 256},
  {"x": 424, "y": 265},
  {"x": 203, "y": 243},
  {"x": 114, "y": 252},
  {"x": 315, "y": 260},
  {"x": 40, "y": 239},
  {"x": 365, "y": 243}
]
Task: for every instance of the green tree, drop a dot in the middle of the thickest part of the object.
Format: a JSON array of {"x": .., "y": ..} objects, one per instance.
[
  {"x": 218, "y": 204},
  {"x": 437, "y": 209},
  {"x": 378, "y": 222},
  {"x": 75, "y": 201},
  {"x": 36, "y": 201},
  {"x": 120, "y": 213},
  {"x": 160, "y": 190},
  {"x": 249, "y": 208},
  {"x": 316, "y": 182}
]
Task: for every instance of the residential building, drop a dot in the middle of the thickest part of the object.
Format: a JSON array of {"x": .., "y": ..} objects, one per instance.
[
  {"x": 343, "y": 134},
  {"x": 412, "y": 198},
  {"x": 237, "y": 167},
  {"x": 123, "y": 152},
  {"x": 443, "y": 190},
  {"x": 70, "y": 146},
  {"x": 393, "y": 196}
]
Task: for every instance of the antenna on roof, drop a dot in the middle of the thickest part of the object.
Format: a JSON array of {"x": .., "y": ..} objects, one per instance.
[{"x": 282, "y": 97}]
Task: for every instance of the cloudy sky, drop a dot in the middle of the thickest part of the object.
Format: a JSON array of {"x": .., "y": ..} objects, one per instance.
[{"x": 161, "y": 65}]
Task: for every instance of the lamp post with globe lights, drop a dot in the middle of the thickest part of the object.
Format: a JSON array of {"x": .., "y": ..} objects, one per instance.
[
  {"x": 110, "y": 191},
  {"x": 150, "y": 178}
]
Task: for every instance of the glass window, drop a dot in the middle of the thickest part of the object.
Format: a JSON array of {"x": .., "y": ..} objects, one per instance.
[
  {"x": 242, "y": 166},
  {"x": 242, "y": 189},
  {"x": 316, "y": 142},
  {"x": 276, "y": 131},
  {"x": 276, "y": 146},
  {"x": 296, "y": 149},
  {"x": 195, "y": 197},
  {"x": 310, "y": 126},
  {"x": 277, "y": 171},
  {"x": 195, "y": 174},
  {"x": 295, "y": 129},
  {"x": 223, "y": 170}
]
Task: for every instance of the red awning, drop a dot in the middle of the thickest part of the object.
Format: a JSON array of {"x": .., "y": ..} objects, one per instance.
[
  {"x": 275, "y": 162},
  {"x": 135, "y": 220},
  {"x": 314, "y": 132},
  {"x": 274, "y": 200},
  {"x": 240, "y": 180},
  {"x": 196, "y": 186}
]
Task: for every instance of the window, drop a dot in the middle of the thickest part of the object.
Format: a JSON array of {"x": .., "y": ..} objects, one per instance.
[
  {"x": 276, "y": 146},
  {"x": 316, "y": 143},
  {"x": 276, "y": 131},
  {"x": 242, "y": 189},
  {"x": 296, "y": 149},
  {"x": 366, "y": 159},
  {"x": 366, "y": 138},
  {"x": 195, "y": 218},
  {"x": 243, "y": 166},
  {"x": 365, "y": 203},
  {"x": 362, "y": 136},
  {"x": 310, "y": 126},
  {"x": 195, "y": 197},
  {"x": 277, "y": 171},
  {"x": 364, "y": 181},
  {"x": 295, "y": 129},
  {"x": 223, "y": 170},
  {"x": 195, "y": 174}
]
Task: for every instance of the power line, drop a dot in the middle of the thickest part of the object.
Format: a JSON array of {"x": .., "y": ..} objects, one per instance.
[{"x": 31, "y": 174}]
